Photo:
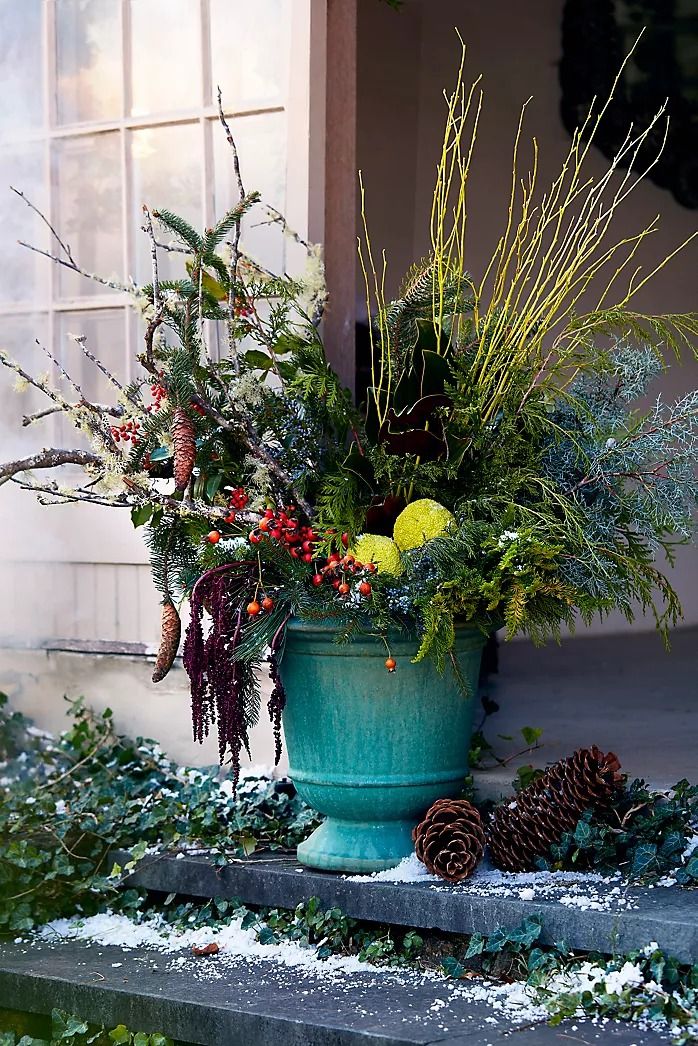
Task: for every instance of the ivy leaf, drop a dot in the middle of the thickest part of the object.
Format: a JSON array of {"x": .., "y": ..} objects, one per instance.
[
  {"x": 451, "y": 967},
  {"x": 644, "y": 858},
  {"x": 266, "y": 935},
  {"x": 120, "y": 1035},
  {"x": 583, "y": 834},
  {"x": 66, "y": 1025},
  {"x": 475, "y": 946},
  {"x": 525, "y": 934},
  {"x": 531, "y": 734}
]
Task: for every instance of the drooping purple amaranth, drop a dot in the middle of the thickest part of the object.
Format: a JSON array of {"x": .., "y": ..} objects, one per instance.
[
  {"x": 277, "y": 698},
  {"x": 220, "y": 684}
]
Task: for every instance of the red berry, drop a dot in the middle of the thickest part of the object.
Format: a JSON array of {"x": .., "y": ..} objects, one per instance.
[
  {"x": 335, "y": 583},
  {"x": 365, "y": 589},
  {"x": 230, "y": 518},
  {"x": 264, "y": 524},
  {"x": 267, "y": 603},
  {"x": 345, "y": 539},
  {"x": 253, "y": 608},
  {"x": 255, "y": 538},
  {"x": 391, "y": 664},
  {"x": 213, "y": 537},
  {"x": 317, "y": 579},
  {"x": 343, "y": 589},
  {"x": 371, "y": 567},
  {"x": 334, "y": 558},
  {"x": 307, "y": 557}
]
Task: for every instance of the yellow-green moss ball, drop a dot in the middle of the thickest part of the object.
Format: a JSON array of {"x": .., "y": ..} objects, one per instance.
[
  {"x": 421, "y": 521},
  {"x": 375, "y": 548}
]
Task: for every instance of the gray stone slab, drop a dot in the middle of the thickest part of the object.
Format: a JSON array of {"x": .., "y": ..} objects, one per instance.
[
  {"x": 262, "y": 1003},
  {"x": 668, "y": 916}
]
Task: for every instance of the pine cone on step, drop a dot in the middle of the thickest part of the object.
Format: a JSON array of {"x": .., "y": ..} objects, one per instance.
[
  {"x": 170, "y": 633},
  {"x": 451, "y": 839},
  {"x": 184, "y": 440},
  {"x": 526, "y": 827}
]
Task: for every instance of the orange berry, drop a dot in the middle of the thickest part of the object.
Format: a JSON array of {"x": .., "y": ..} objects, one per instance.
[
  {"x": 253, "y": 608},
  {"x": 391, "y": 664},
  {"x": 365, "y": 589},
  {"x": 267, "y": 603},
  {"x": 213, "y": 537},
  {"x": 343, "y": 589}
]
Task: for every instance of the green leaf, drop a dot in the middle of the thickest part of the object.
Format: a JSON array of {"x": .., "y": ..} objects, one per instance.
[
  {"x": 258, "y": 360},
  {"x": 66, "y": 1025},
  {"x": 475, "y": 945},
  {"x": 141, "y": 514},
  {"x": 644, "y": 857},
  {"x": 451, "y": 967},
  {"x": 525, "y": 934},
  {"x": 212, "y": 485},
  {"x": 249, "y": 844},
  {"x": 120, "y": 1035},
  {"x": 266, "y": 935},
  {"x": 141, "y": 1038},
  {"x": 531, "y": 734},
  {"x": 583, "y": 834}
]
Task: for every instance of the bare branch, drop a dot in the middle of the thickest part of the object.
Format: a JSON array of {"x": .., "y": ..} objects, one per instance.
[
  {"x": 38, "y": 383},
  {"x": 48, "y": 458},
  {"x": 234, "y": 276},
  {"x": 103, "y": 408},
  {"x": 158, "y": 307},
  {"x": 64, "y": 246}
]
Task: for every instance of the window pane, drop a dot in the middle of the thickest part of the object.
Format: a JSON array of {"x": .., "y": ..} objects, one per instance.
[
  {"x": 21, "y": 66},
  {"x": 261, "y": 142},
  {"x": 87, "y": 176},
  {"x": 249, "y": 51},
  {"x": 104, "y": 330},
  {"x": 88, "y": 60},
  {"x": 26, "y": 274},
  {"x": 166, "y": 166},
  {"x": 18, "y": 336},
  {"x": 166, "y": 55}
]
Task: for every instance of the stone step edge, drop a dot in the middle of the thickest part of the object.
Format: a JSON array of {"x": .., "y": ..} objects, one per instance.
[
  {"x": 176, "y": 1005},
  {"x": 665, "y": 915}
]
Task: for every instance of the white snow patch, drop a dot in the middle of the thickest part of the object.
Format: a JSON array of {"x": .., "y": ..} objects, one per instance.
[{"x": 409, "y": 870}]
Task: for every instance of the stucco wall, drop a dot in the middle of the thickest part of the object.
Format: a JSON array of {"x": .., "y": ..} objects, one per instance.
[{"x": 406, "y": 60}]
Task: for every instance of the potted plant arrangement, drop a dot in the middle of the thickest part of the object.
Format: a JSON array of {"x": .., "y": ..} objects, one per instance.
[{"x": 498, "y": 475}]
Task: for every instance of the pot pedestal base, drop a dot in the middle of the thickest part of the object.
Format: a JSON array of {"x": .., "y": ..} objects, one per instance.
[{"x": 357, "y": 846}]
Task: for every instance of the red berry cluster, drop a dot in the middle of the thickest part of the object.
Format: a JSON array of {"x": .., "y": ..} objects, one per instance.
[
  {"x": 128, "y": 431},
  {"x": 236, "y": 503},
  {"x": 338, "y": 568},
  {"x": 283, "y": 527},
  {"x": 243, "y": 308},
  {"x": 255, "y": 607},
  {"x": 159, "y": 393}
]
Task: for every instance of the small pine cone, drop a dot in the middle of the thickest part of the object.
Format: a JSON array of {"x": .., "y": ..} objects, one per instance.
[
  {"x": 170, "y": 633},
  {"x": 527, "y": 827},
  {"x": 184, "y": 440},
  {"x": 450, "y": 840}
]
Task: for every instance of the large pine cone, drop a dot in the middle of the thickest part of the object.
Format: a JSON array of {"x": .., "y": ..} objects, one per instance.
[
  {"x": 450, "y": 840},
  {"x": 170, "y": 633},
  {"x": 184, "y": 441},
  {"x": 526, "y": 827}
]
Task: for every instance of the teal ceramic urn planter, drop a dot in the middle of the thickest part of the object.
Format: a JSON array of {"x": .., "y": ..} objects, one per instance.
[{"x": 372, "y": 749}]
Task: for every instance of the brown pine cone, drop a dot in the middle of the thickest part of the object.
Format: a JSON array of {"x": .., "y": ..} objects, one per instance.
[
  {"x": 170, "y": 633},
  {"x": 184, "y": 440},
  {"x": 526, "y": 827},
  {"x": 450, "y": 840}
]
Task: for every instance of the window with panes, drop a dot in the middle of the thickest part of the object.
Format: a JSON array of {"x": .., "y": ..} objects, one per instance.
[{"x": 107, "y": 105}]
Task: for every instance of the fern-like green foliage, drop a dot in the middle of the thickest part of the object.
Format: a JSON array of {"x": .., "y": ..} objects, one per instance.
[{"x": 415, "y": 304}]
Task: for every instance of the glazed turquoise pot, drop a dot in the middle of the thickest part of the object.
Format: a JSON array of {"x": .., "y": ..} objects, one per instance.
[{"x": 372, "y": 749}]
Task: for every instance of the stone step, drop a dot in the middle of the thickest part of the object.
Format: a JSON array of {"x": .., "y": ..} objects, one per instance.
[
  {"x": 587, "y": 915},
  {"x": 241, "y": 1002}
]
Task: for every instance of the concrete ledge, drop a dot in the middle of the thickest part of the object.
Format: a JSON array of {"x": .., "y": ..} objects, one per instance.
[
  {"x": 263, "y": 1003},
  {"x": 668, "y": 916}
]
